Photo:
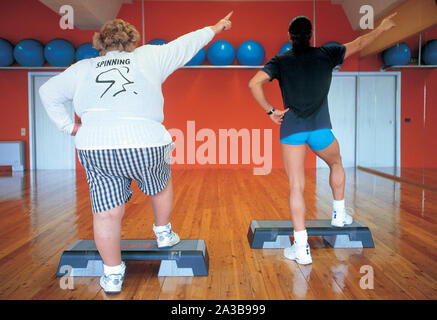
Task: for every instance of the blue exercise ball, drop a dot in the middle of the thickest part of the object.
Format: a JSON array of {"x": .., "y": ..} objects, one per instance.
[
  {"x": 285, "y": 47},
  {"x": 86, "y": 51},
  {"x": 157, "y": 42},
  {"x": 331, "y": 44},
  {"x": 59, "y": 52},
  {"x": 221, "y": 53},
  {"x": 198, "y": 58},
  {"x": 429, "y": 53},
  {"x": 6, "y": 53},
  {"x": 29, "y": 53},
  {"x": 398, "y": 55},
  {"x": 250, "y": 53}
]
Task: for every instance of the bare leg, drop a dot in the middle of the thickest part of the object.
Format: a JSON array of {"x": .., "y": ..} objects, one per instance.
[
  {"x": 294, "y": 163},
  {"x": 337, "y": 178},
  {"x": 162, "y": 204},
  {"x": 107, "y": 234}
]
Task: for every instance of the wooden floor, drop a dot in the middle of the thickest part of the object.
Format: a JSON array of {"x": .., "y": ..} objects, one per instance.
[{"x": 43, "y": 213}]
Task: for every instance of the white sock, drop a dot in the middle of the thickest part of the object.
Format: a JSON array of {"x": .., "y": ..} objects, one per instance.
[
  {"x": 338, "y": 205},
  {"x": 114, "y": 269},
  {"x": 301, "y": 237},
  {"x": 157, "y": 229}
]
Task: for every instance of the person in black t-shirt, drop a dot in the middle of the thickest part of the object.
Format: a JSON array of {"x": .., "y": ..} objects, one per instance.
[{"x": 304, "y": 74}]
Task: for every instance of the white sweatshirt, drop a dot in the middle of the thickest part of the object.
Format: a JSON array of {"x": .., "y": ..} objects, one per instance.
[{"x": 118, "y": 96}]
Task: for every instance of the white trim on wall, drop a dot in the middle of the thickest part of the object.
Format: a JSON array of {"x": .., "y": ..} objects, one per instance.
[{"x": 31, "y": 113}]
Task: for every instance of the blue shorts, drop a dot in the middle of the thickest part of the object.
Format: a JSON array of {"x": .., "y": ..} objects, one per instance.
[{"x": 316, "y": 140}]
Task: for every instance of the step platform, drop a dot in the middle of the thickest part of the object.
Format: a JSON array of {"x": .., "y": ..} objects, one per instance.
[
  {"x": 187, "y": 258},
  {"x": 274, "y": 234}
]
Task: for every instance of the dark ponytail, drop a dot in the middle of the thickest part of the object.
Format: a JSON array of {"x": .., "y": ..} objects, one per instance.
[
  {"x": 300, "y": 30},
  {"x": 301, "y": 41}
]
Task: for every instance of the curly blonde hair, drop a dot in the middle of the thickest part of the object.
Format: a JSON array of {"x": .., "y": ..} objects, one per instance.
[{"x": 116, "y": 34}]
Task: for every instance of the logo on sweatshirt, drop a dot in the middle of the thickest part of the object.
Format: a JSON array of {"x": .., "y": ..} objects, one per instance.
[{"x": 115, "y": 80}]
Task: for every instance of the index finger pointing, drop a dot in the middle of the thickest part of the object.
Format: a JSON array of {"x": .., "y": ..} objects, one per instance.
[
  {"x": 229, "y": 15},
  {"x": 393, "y": 15}
]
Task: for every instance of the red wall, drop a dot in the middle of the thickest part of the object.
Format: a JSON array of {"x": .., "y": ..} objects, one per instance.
[
  {"x": 430, "y": 130},
  {"x": 430, "y": 134},
  {"x": 215, "y": 99},
  {"x": 219, "y": 99},
  {"x": 419, "y": 136}
]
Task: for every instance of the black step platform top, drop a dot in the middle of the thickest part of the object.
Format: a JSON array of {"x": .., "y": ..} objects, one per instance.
[
  {"x": 187, "y": 258},
  {"x": 262, "y": 231},
  {"x": 314, "y": 227},
  {"x": 142, "y": 245}
]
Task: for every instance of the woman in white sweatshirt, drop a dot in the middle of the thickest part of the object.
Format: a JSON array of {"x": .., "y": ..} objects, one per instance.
[{"x": 121, "y": 137}]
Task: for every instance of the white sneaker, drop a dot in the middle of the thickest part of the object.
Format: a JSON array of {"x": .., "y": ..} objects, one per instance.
[
  {"x": 166, "y": 238},
  {"x": 112, "y": 283},
  {"x": 341, "y": 218},
  {"x": 301, "y": 254}
]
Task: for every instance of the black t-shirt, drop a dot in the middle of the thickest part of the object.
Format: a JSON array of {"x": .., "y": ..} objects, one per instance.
[{"x": 305, "y": 78}]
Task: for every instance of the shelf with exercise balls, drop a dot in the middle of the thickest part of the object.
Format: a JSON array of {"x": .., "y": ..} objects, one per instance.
[
  {"x": 399, "y": 56},
  {"x": 60, "y": 53}
]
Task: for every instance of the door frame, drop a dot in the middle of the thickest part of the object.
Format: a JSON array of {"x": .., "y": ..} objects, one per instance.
[
  {"x": 397, "y": 133},
  {"x": 345, "y": 74},
  {"x": 31, "y": 98},
  {"x": 357, "y": 75}
]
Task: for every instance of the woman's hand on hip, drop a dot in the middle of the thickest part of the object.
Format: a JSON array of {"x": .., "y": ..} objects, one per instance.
[
  {"x": 278, "y": 115},
  {"x": 76, "y": 128},
  {"x": 223, "y": 24}
]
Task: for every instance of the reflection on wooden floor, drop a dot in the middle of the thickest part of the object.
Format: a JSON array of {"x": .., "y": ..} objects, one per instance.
[
  {"x": 43, "y": 213},
  {"x": 423, "y": 177}
]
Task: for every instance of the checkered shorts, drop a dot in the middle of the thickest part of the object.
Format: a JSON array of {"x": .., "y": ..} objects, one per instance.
[{"x": 110, "y": 173}]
